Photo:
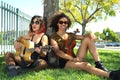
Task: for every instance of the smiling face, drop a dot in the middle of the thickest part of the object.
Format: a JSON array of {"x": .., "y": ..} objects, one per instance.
[
  {"x": 35, "y": 25},
  {"x": 63, "y": 24}
]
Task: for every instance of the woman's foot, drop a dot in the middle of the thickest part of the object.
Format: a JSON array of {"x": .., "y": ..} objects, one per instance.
[
  {"x": 12, "y": 71},
  {"x": 115, "y": 75},
  {"x": 99, "y": 65}
]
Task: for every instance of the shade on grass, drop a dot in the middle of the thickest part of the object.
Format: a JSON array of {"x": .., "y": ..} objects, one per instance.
[{"x": 110, "y": 58}]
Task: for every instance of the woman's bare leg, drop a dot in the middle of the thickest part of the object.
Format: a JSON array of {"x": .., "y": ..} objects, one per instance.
[
  {"x": 87, "y": 67},
  {"x": 114, "y": 75},
  {"x": 86, "y": 45},
  {"x": 42, "y": 65},
  {"x": 10, "y": 59}
]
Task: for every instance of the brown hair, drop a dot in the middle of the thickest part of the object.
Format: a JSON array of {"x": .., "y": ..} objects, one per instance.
[
  {"x": 55, "y": 18},
  {"x": 42, "y": 24}
]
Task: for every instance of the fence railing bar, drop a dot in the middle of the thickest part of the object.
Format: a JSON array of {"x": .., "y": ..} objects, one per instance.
[{"x": 13, "y": 24}]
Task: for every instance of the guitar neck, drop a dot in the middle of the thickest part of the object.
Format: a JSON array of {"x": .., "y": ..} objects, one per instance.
[
  {"x": 30, "y": 50},
  {"x": 43, "y": 49}
]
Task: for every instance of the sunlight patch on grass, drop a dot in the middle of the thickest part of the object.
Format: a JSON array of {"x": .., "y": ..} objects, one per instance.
[{"x": 110, "y": 59}]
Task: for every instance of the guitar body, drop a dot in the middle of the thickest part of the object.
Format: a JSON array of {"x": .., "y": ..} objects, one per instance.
[
  {"x": 20, "y": 51},
  {"x": 69, "y": 49},
  {"x": 27, "y": 57},
  {"x": 25, "y": 45},
  {"x": 27, "y": 50}
]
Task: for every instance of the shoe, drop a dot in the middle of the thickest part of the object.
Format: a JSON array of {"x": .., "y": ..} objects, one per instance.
[
  {"x": 99, "y": 65},
  {"x": 17, "y": 67},
  {"x": 115, "y": 75},
  {"x": 12, "y": 71}
]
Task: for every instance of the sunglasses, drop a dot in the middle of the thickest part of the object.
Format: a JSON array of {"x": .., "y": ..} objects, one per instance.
[
  {"x": 36, "y": 22},
  {"x": 61, "y": 22}
]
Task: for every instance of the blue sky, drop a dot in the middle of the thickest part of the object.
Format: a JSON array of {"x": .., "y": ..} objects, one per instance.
[
  {"x": 112, "y": 22},
  {"x": 35, "y": 7},
  {"x": 31, "y": 7}
]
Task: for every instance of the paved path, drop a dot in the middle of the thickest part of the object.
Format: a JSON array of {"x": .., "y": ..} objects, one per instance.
[{"x": 111, "y": 48}]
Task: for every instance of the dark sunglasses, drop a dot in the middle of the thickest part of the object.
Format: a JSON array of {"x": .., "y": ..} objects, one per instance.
[
  {"x": 36, "y": 22},
  {"x": 61, "y": 22}
]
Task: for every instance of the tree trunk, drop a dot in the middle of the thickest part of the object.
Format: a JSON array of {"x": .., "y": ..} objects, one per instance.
[
  {"x": 83, "y": 29},
  {"x": 50, "y": 7}
]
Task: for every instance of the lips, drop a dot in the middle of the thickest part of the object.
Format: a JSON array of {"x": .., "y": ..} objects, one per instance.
[{"x": 63, "y": 27}]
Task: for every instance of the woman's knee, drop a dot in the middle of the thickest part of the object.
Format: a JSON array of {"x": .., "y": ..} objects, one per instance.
[
  {"x": 42, "y": 63},
  {"x": 86, "y": 65},
  {"x": 8, "y": 54},
  {"x": 86, "y": 39}
]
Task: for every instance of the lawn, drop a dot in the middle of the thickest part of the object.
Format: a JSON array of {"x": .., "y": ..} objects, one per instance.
[{"x": 110, "y": 58}]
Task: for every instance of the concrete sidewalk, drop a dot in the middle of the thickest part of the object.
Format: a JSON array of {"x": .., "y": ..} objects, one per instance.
[{"x": 111, "y": 48}]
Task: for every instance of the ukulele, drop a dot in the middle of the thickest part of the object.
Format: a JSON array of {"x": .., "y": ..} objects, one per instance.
[
  {"x": 27, "y": 48},
  {"x": 70, "y": 44}
]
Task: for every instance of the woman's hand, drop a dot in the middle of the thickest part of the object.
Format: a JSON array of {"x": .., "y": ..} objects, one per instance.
[
  {"x": 17, "y": 45},
  {"x": 91, "y": 36},
  {"x": 38, "y": 50},
  {"x": 76, "y": 59}
]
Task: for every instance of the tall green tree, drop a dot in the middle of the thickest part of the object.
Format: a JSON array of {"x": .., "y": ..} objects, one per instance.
[
  {"x": 110, "y": 35},
  {"x": 85, "y": 11},
  {"x": 100, "y": 36}
]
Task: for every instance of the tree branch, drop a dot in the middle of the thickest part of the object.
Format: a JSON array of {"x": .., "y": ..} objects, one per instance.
[
  {"x": 73, "y": 17},
  {"x": 86, "y": 10},
  {"x": 80, "y": 9},
  {"x": 96, "y": 10}
]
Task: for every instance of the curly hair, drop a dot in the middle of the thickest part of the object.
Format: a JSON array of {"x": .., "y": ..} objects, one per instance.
[{"x": 55, "y": 18}]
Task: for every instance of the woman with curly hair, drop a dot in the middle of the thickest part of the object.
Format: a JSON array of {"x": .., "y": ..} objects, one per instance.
[{"x": 67, "y": 59}]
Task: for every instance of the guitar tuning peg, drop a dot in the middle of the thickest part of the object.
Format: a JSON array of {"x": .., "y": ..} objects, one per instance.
[{"x": 77, "y": 30}]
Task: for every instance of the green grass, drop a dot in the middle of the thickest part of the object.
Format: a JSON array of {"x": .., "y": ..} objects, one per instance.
[{"x": 110, "y": 58}]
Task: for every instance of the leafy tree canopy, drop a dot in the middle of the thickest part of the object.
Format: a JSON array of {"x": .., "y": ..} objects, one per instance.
[{"x": 85, "y": 11}]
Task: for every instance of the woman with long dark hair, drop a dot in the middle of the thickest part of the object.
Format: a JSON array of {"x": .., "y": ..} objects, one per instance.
[{"x": 35, "y": 60}]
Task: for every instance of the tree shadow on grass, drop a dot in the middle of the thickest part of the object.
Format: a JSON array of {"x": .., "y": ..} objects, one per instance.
[
  {"x": 2, "y": 68},
  {"x": 2, "y": 61}
]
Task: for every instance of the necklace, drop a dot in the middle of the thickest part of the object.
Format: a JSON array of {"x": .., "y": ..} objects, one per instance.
[{"x": 61, "y": 34}]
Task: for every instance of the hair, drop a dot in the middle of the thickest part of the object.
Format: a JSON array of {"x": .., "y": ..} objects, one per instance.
[
  {"x": 42, "y": 24},
  {"x": 55, "y": 18}
]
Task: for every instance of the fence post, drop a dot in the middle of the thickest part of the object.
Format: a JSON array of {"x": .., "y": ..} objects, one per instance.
[{"x": 17, "y": 31}]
